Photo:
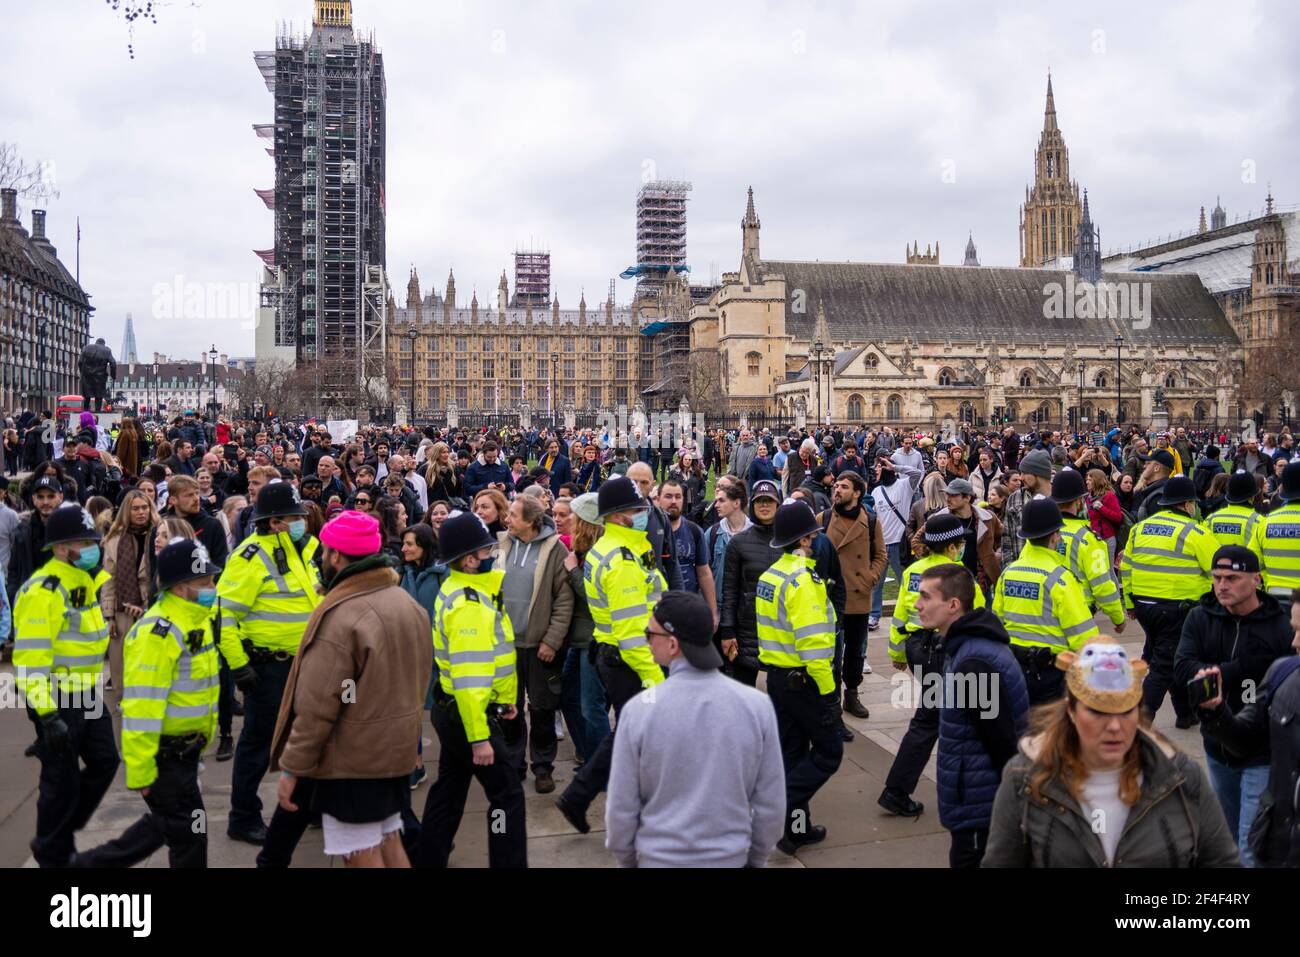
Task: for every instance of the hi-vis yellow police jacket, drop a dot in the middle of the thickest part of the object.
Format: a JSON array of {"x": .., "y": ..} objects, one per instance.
[
  {"x": 905, "y": 619},
  {"x": 59, "y": 635},
  {"x": 267, "y": 593},
  {"x": 172, "y": 682},
  {"x": 1089, "y": 562},
  {"x": 1167, "y": 556},
  {"x": 1233, "y": 525},
  {"x": 622, "y": 587},
  {"x": 474, "y": 647},
  {"x": 1041, "y": 603},
  {"x": 796, "y": 621},
  {"x": 1277, "y": 543}
]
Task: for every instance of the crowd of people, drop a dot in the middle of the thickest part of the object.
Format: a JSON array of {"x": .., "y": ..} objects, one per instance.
[{"x": 197, "y": 572}]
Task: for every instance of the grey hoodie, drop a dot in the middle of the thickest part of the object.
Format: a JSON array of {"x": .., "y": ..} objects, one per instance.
[{"x": 520, "y": 568}]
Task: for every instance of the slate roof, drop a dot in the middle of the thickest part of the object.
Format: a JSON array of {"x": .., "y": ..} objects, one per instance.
[
  {"x": 878, "y": 301},
  {"x": 37, "y": 262}
]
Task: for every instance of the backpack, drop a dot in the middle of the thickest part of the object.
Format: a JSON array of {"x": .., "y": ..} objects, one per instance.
[{"x": 1125, "y": 526}]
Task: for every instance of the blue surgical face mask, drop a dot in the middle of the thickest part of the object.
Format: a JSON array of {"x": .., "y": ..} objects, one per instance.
[
  {"x": 641, "y": 520},
  {"x": 88, "y": 558},
  {"x": 297, "y": 529},
  {"x": 207, "y": 597}
]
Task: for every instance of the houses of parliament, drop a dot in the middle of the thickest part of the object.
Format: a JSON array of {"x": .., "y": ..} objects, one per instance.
[{"x": 1179, "y": 326}]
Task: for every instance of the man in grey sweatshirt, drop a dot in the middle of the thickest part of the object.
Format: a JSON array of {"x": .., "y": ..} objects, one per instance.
[
  {"x": 697, "y": 778},
  {"x": 742, "y": 456}
]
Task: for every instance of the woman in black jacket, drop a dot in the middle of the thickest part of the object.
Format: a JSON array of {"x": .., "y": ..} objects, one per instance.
[{"x": 749, "y": 554}]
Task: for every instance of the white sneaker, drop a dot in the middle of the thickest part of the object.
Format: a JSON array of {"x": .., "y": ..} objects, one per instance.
[
  {"x": 559, "y": 727},
  {"x": 866, "y": 668}
]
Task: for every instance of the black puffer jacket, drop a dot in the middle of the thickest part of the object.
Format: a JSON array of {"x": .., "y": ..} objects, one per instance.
[
  {"x": 1242, "y": 648},
  {"x": 748, "y": 555},
  {"x": 1271, "y": 723}
]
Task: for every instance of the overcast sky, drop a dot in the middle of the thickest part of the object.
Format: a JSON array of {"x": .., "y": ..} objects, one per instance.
[{"x": 860, "y": 126}]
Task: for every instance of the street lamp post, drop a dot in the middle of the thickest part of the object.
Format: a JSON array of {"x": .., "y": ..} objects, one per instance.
[
  {"x": 555, "y": 370},
  {"x": 156, "y": 391},
  {"x": 413, "y": 334},
  {"x": 213, "y": 356},
  {"x": 1078, "y": 418},
  {"x": 1119, "y": 382},
  {"x": 818, "y": 347}
]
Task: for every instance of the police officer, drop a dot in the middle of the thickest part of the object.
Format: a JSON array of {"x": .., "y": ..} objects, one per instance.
[
  {"x": 1041, "y": 603},
  {"x": 474, "y": 650},
  {"x": 1165, "y": 569},
  {"x": 796, "y": 644},
  {"x": 60, "y": 639},
  {"x": 169, "y": 713},
  {"x": 267, "y": 594},
  {"x": 1277, "y": 540},
  {"x": 913, "y": 647},
  {"x": 622, "y": 585},
  {"x": 1085, "y": 553},
  {"x": 1234, "y": 524}
]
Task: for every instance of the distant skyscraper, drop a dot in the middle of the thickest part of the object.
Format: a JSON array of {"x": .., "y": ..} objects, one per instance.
[
  {"x": 328, "y": 132},
  {"x": 127, "y": 352}
]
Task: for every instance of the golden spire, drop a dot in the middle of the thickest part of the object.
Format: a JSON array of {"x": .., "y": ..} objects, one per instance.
[{"x": 333, "y": 13}]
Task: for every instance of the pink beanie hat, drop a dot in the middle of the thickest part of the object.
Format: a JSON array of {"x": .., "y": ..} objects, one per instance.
[{"x": 352, "y": 533}]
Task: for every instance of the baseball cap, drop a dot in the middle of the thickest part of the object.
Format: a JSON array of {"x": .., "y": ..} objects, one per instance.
[
  {"x": 686, "y": 616},
  {"x": 49, "y": 482},
  {"x": 1235, "y": 558},
  {"x": 1161, "y": 456},
  {"x": 959, "y": 486},
  {"x": 764, "y": 488}
]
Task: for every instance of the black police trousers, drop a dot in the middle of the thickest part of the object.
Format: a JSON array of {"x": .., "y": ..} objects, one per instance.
[
  {"x": 507, "y": 834},
  {"x": 923, "y": 730},
  {"x": 621, "y": 685},
  {"x": 808, "y": 725},
  {"x": 1044, "y": 681},
  {"x": 253, "y": 750},
  {"x": 68, "y": 792},
  {"x": 1162, "y": 620},
  {"x": 537, "y": 705},
  {"x": 176, "y": 817}
]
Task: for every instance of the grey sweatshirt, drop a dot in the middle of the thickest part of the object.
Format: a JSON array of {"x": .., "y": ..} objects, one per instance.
[
  {"x": 517, "y": 587},
  {"x": 697, "y": 778}
]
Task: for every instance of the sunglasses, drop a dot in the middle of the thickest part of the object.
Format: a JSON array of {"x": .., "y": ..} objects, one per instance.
[{"x": 362, "y": 501}]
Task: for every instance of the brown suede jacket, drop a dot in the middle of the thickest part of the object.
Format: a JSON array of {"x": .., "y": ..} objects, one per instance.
[{"x": 355, "y": 695}]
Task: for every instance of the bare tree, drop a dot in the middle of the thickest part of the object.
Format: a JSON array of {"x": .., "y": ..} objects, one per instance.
[
  {"x": 704, "y": 389},
  {"x": 33, "y": 180},
  {"x": 274, "y": 386}
]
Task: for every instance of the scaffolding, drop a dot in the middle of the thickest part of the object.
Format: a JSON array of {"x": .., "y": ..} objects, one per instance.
[
  {"x": 329, "y": 132},
  {"x": 660, "y": 233},
  {"x": 532, "y": 279}
]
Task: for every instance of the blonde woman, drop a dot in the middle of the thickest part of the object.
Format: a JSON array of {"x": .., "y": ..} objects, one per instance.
[
  {"x": 440, "y": 475},
  {"x": 128, "y": 560},
  {"x": 932, "y": 499}
]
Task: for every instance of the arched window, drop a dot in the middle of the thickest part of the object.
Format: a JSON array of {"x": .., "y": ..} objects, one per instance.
[
  {"x": 894, "y": 407},
  {"x": 1101, "y": 381},
  {"x": 1200, "y": 412},
  {"x": 1043, "y": 413},
  {"x": 947, "y": 377},
  {"x": 872, "y": 362},
  {"x": 1171, "y": 381},
  {"x": 1013, "y": 412},
  {"x": 753, "y": 360},
  {"x": 1026, "y": 379},
  {"x": 967, "y": 413},
  {"x": 855, "y": 408}
]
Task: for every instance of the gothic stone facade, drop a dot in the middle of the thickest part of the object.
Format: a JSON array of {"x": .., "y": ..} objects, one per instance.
[
  {"x": 917, "y": 343},
  {"x": 497, "y": 360}
]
